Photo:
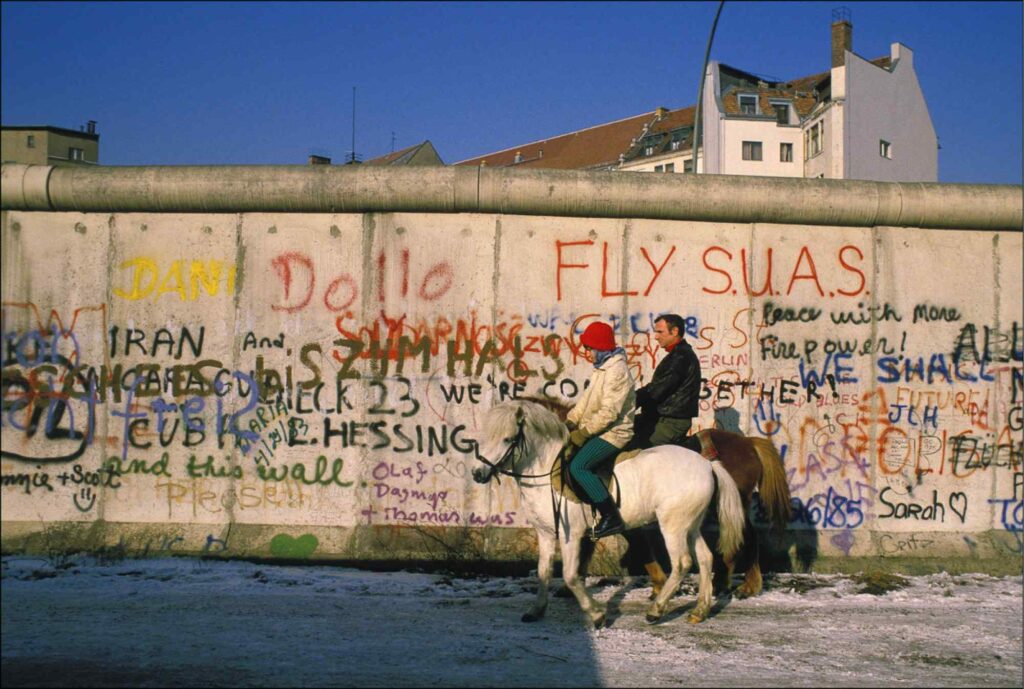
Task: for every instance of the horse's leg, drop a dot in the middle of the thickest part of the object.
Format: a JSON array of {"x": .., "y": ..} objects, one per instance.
[
  {"x": 679, "y": 555},
  {"x": 658, "y": 577},
  {"x": 752, "y": 583},
  {"x": 705, "y": 560},
  {"x": 570, "y": 570},
  {"x": 640, "y": 543},
  {"x": 723, "y": 579},
  {"x": 587, "y": 548},
  {"x": 545, "y": 562}
]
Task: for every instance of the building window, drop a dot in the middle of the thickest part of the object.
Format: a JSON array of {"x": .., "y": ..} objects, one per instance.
[
  {"x": 670, "y": 167},
  {"x": 76, "y": 154},
  {"x": 781, "y": 112},
  {"x": 815, "y": 136},
  {"x": 786, "y": 153},
  {"x": 688, "y": 165},
  {"x": 30, "y": 141},
  {"x": 648, "y": 150},
  {"x": 751, "y": 150},
  {"x": 884, "y": 149},
  {"x": 658, "y": 168},
  {"x": 748, "y": 105},
  {"x": 675, "y": 145}
]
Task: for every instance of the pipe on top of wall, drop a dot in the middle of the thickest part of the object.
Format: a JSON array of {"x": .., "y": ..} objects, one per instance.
[{"x": 358, "y": 189}]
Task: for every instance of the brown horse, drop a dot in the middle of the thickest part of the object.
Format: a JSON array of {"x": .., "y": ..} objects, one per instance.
[{"x": 753, "y": 463}]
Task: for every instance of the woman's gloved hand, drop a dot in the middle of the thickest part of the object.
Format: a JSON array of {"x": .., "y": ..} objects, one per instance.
[{"x": 578, "y": 438}]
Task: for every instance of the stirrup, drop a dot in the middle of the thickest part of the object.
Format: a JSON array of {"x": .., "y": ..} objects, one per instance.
[{"x": 604, "y": 528}]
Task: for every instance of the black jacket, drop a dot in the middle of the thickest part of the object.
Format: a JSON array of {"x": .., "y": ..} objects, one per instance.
[{"x": 674, "y": 389}]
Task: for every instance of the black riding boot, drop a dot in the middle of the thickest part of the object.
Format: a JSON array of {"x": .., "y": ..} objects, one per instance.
[{"x": 611, "y": 521}]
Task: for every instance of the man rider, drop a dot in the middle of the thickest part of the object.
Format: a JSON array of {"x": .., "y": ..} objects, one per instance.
[{"x": 669, "y": 403}]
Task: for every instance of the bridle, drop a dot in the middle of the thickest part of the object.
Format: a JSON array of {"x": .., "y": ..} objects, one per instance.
[{"x": 509, "y": 457}]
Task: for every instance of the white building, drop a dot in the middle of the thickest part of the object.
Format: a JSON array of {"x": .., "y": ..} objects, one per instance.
[{"x": 860, "y": 120}]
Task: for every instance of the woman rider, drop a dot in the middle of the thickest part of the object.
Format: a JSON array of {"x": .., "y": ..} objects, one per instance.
[{"x": 601, "y": 423}]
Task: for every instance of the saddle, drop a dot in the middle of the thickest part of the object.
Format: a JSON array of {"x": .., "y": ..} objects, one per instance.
[{"x": 562, "y": 481}]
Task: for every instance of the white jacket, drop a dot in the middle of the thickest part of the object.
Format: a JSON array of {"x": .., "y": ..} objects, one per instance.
[{"x": 608, "y": 404}]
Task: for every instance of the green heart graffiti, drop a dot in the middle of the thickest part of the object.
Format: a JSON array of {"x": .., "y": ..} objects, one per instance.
[{"x": 283, "y": 545}]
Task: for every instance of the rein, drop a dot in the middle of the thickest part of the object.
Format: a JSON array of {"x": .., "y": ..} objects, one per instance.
[
  {"x": 517, "y": 443},
  {"x": 497, "y": 468}
]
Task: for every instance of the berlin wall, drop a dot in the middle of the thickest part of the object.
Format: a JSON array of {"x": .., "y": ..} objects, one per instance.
[{"x": 294, "y": 363}]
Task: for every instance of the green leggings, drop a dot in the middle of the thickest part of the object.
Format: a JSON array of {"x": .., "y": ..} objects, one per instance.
[{"x": 592, "y": 455}]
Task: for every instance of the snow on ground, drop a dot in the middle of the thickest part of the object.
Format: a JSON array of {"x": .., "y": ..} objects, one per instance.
[{"x": 184, "y": 622}]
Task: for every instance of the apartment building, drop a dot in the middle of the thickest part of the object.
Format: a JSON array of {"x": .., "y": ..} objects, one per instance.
[
  {"x": 46, "y": 145},
  {"x": 863, "y": 119}
]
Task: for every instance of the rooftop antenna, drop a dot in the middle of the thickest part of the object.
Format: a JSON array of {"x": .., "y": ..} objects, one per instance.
[
  {"x": 392, "y": 142},
  {"x": 353, "y": 158}
]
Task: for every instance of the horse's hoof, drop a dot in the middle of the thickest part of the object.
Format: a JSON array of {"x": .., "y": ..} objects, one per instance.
[
  {"x": 651, "y": 619},
  {"x": 697, "y": 615},
  {"x": 654, "y": 594},
  {"x": 530, "y": 617},
  {"x": 743, "y": 592},
  {"x": 599, "y": 621}
]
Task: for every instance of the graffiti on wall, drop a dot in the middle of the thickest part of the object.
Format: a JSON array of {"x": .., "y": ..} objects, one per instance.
[{"x": 353, "y": 395}]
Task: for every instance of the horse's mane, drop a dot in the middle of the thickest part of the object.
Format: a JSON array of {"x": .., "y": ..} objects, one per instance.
[
  {"x": 541, "y": 417},
  {"x": 560, "y": 409}
]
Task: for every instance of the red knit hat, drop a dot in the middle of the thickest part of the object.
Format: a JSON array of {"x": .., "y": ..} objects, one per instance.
[{"x": 599, "y": 336}]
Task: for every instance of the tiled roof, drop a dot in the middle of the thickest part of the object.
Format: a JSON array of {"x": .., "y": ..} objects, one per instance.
[
  {"x": 406, "y": 155},
  {"x": 600, "y": 146},
  {"x": 387, "y": 159},
  {"x": 588, "y": 148},
  {"x": 667, "y": 127},
  {"x": 803, "y": 101}
]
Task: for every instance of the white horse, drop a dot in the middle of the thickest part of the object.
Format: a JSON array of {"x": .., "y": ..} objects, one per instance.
[{"x": 668, "y": 484}]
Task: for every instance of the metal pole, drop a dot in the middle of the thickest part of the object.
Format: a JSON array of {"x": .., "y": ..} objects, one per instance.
[{"x": 700, "y": 93}]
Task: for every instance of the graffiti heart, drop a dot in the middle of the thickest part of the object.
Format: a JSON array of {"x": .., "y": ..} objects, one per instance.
[
  {"x": 958, "y": 503},
  {"x": 283, "y": 545}
]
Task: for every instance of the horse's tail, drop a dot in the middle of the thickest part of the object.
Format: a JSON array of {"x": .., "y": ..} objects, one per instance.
[
  {"x": 731, "y": 517},
  {"x": 773, "y": 486}
]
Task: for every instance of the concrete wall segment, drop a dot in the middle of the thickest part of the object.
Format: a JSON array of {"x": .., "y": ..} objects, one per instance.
[
  {"x": 357, "y": 353},
  {"x": 25, "y": 186},
  {"x": 722, "y": 198}
]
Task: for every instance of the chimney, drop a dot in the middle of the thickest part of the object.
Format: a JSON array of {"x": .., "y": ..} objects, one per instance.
[
  {"x": 842, "y": 35},
  {"x": 91, "y": 126}
]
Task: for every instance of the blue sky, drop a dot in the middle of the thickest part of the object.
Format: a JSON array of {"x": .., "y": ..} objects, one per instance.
[{"x": 268, "y": 83}]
